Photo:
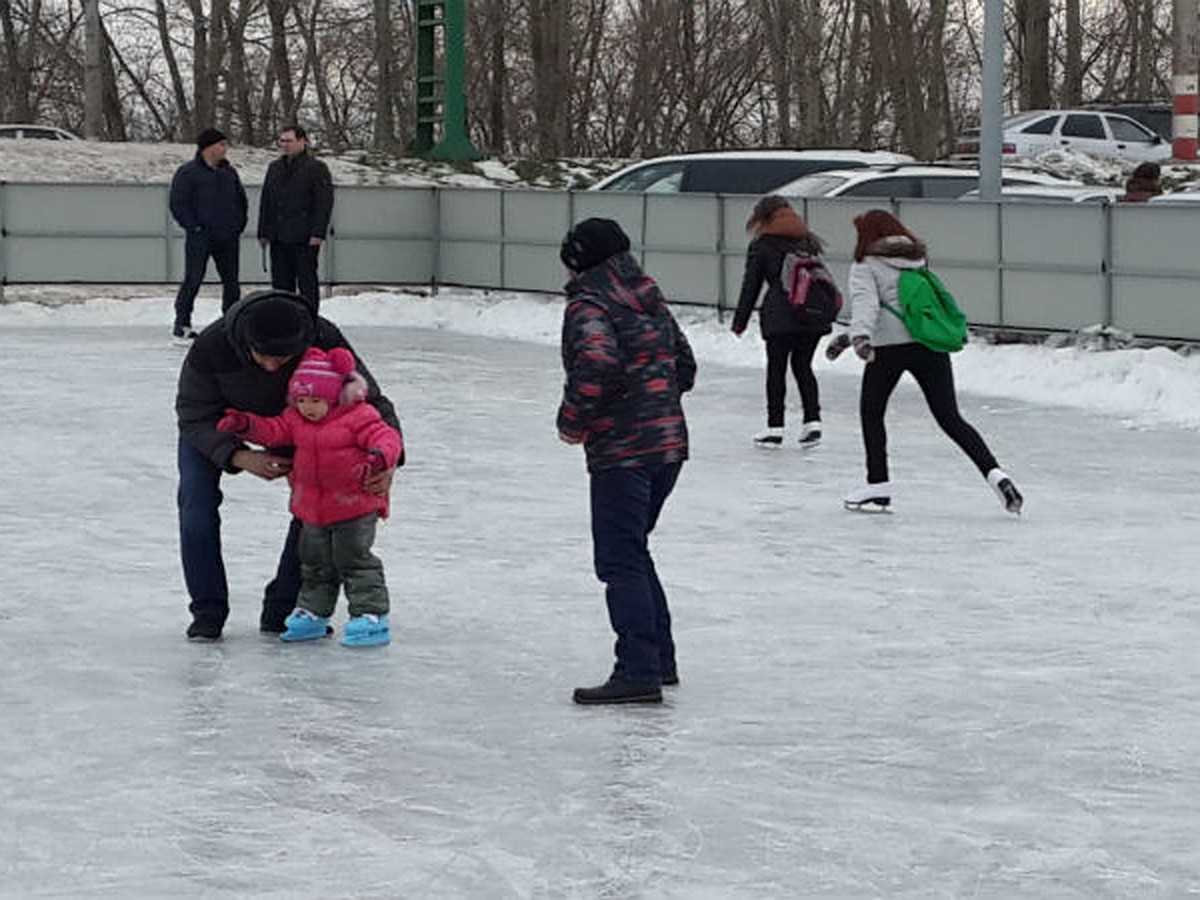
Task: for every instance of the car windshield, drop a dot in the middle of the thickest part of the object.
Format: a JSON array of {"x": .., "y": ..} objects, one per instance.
[
  {"x": 662, "y": 177},
  {"x": 819, "y": 185}
]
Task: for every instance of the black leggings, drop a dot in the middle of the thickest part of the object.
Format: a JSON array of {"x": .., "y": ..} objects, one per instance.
[
  {"x": 934, "y": 374},
  {"x": 800, "y": 348}
]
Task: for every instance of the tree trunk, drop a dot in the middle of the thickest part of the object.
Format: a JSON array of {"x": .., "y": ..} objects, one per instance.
[
  {"x": 186, "y": 123},
  {"x": 281, "y": 67},
  {"x": 1072, "y": 93},
  {"x": 386, "y": 88}
]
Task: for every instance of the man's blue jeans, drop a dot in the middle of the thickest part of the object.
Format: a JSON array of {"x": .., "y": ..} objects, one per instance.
[
  {"x": 625, "y": 508},
  {"x": 199, "y": 502}
]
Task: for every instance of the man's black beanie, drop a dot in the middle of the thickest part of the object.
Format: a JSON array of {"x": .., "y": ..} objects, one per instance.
[{"x": 591, "y": 242}]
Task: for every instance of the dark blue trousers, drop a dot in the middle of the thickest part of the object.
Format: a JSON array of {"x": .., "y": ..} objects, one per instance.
[
  {"x": 625, "y": 507},
  {"x": 199, "y": 500},
  {"x": 197, "y": 249},
  {"x": 294, "y": 268}
]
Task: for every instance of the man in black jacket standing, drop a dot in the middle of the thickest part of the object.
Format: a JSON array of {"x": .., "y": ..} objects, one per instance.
[
  {"x": 293, "y": 214},
  {"x": 209, "y": 203},
  {"x": 244, "y": 361}
]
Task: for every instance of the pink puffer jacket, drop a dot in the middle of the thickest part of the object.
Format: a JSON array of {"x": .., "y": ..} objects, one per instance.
[{"x": 332, "y": 459}]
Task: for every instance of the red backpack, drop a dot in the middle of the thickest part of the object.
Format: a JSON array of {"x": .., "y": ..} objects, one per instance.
[{"x": 810, "y": 289}]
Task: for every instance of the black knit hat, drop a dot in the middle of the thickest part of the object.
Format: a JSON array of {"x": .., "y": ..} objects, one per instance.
[
  {"x": 208, "y": 137},
  {"x": 591, "y": 242},
  {"x": 279, "y": 325}
]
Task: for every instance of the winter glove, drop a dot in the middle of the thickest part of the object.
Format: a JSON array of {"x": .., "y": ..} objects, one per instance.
[
  {"x": 234, "y": 421},
  {"x": 376, "y": 463},
  {"x": 837, "y": 346},
  {"x": 862, "y": 346}
]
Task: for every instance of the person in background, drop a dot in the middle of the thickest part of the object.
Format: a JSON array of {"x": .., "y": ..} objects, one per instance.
[
  {"x": 209, "y": 203},
  {"x": 884, "y": 249},
  {"x": 293, "y": 214},
  {"x": 340, "y": 441},
  {"x": 627, "y": 364},
  {"x": 777, "y": 230},
  {"x": 1143, "y": 183},
  {"x": 244, "y": 361}
]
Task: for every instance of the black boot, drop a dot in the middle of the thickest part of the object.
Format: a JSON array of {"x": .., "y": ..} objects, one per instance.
[
  {"x": 616, "y": 690},
  {"x": 203, "y": 630}
]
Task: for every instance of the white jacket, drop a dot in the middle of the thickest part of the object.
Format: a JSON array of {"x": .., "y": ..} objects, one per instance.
[{"x": 874, "y": 282}]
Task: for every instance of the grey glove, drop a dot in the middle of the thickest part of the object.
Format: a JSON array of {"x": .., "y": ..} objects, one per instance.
[
  {"x": 837, "y": 346},
  {"x": 862, "y": 346}
]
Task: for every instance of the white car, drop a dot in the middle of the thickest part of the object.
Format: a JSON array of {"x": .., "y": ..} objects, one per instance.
[
  {"x": 1031, "y": 133},
  {"x": 735, "y": 171},
  {"x": 1066, "y": 192},
  {"x": 36, "y": 132},
  {"x": 904, "y": 181}
]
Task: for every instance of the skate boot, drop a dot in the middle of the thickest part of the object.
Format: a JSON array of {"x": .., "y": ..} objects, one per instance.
[
  {"x": 302, "y": 625},
  {"x": 771, "y": 438},
  {"x": 810, "y": 435},
  {"x": 366, "y": 631},
  {"x": 1006, "y": 491},
  {"x": 872, "y": 498}
]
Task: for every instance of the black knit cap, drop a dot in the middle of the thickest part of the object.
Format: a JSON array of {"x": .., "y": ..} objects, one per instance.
[
  {"x": 591, "y": 242},
  {"x": 208, "y": 137},
  {"x": 279, "y": 325}
]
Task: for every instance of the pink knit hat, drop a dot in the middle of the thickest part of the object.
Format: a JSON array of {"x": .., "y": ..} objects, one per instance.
[{"x": 327, "y": 375}]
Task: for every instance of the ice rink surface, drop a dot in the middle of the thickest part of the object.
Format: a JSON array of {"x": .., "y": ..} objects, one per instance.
[{"x": 944, "y": 702}]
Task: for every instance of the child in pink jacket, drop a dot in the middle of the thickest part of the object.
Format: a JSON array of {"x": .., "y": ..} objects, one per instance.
[{"x": 339, "y": 441}]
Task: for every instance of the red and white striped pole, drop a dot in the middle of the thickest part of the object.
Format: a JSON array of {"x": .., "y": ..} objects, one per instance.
[{"x": 1187, "y": 101}]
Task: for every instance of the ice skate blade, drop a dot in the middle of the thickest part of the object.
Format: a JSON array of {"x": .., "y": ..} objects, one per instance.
[{"x": 876, "y": 505}]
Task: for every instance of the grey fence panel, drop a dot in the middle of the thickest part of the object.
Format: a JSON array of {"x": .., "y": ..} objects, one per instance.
[
  {"x": 382, "y": 236},
  {"x": 534, "y": 225},
  {"x": 1155, "y": 270},
  {"x": 470, "y": 231},
  {"x": 100, "y": 260},
  {"x": 1054, "y": 265},
  {"x": 682, "y": 238},
  {"x": 964, "y": 249},
  {"x": 627, "y": 209}
]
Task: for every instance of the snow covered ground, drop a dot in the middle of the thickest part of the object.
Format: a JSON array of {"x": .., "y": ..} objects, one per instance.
[{"x": 943, "y": 702}]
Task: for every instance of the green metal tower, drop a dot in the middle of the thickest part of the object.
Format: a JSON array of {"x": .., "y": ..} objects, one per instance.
[{"x": 442, "y": 95}]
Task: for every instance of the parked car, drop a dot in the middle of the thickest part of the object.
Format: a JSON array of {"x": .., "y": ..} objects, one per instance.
[
  {"x": 735, "y": 171},
  {"x": 39, "y": 132},
  {"x": 903, "y": 181},
  {"x": 1088, "y": 131},
  {"x": 1054, "y": 193}
]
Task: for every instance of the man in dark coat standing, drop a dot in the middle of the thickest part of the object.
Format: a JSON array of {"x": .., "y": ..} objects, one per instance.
[
  {"x": 209, "y": 203},
  {"x": 244, "y": 361},
  {"x": 627, "y": 362},
  {"x": 293, "y": 214}
]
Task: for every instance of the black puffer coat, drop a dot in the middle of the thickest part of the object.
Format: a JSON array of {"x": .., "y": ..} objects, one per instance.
[
  {"x": 764, "y": 265},
  {"x": 219, "y": 373},
  {"x": 209, "y": 198}
]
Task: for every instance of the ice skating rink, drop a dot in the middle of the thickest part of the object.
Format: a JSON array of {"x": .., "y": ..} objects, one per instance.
[{"x": 944, "y": 702}]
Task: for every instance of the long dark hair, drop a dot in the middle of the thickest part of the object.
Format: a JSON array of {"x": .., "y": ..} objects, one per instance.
[{"x": 874, "y": 225}]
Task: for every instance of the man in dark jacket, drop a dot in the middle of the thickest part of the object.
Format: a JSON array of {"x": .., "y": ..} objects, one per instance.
[
  {"x": 209, "y": 203},
  {"x": 244, "y": 361},
  {"x": 293, "y": 214},
  {"x": 627, "y": 362}
]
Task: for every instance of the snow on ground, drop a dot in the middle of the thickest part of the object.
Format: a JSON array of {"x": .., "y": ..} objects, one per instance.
[{"x": 943, "y": 702}]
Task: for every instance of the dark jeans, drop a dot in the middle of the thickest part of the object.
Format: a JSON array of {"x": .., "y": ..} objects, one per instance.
[
  {"x": 199, "y": 501},
  {"x": 294, "y": 268},
  {"x": 337, "y": 555},
  {"x": 198, "y": 248},
  {"x": 799, "y": 348},
  {"x": 934, "y": 374},
  {"x": 625, "y": 508}
]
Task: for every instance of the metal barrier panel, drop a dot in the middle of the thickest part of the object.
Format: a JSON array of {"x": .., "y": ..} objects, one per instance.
[
  {"x": 102, "y": 260},
  {"x": 681, "y": 246},
  {"x": 534, "y": 225},
  {"x": 1054, "y": 264},
  {"x": 1155, "y": 271},
  {"x": 470, "y": 232},
  {"x": 628, "y": 210},
  {"x": 382, "y": 235},
  {"x": 963, "y": 245}
]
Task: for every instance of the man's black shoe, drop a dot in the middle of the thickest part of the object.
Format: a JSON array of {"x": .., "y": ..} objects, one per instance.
[
  {"x": 204, "y": 631},
  {"x": 270, "y": 626},
  {"x": 670, "y": 678},
  {"x": 617, "y": 691}
]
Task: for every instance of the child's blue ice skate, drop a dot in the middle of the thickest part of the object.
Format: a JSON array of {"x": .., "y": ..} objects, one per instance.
[
  {"x": 302, "y": 625},
  {"x": 366, "y": 631}
]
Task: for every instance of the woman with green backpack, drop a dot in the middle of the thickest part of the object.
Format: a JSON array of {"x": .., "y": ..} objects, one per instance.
[{"x": 903, "y": 320}]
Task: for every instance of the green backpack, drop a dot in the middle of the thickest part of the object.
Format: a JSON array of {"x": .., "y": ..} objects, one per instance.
[{"x": 929, "y": 312}]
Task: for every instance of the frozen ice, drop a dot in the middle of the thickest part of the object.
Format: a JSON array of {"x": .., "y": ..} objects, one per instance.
[{"x": 947, "y": 701}]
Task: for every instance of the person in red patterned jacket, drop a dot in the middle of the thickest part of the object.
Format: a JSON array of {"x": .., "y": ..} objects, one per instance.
[{"x": 627, "y": 363}]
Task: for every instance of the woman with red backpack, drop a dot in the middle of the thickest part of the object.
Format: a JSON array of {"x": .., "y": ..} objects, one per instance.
[{"x": 777, "y": 231}]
